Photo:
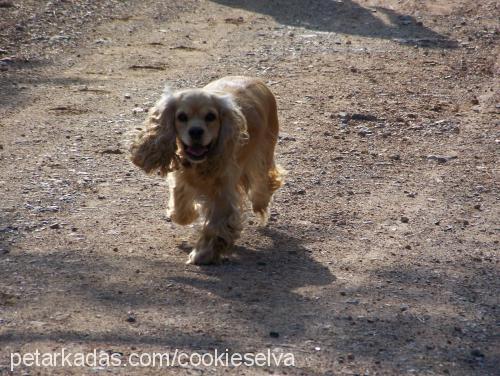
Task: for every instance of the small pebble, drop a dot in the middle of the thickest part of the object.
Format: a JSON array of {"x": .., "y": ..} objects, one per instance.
[
  {"x": 395, "y": 157},
  {"x": 363, "y": 131},
  {"x": 441, "y": 158},
  {"x": 131, "y": 319},
  {"x": 477, "y": 353},
  {"x": 138, "y": 110}
]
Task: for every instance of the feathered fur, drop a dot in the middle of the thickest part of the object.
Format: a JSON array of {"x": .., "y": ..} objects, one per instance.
[{"x": 238, "y": 119}]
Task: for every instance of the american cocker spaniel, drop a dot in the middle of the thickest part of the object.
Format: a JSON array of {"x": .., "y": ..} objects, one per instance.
[{"x": 217, "y": 146}]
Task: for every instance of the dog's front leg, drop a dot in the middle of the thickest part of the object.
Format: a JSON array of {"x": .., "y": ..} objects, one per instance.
[
  {"x": 221, "y": 229},
  {"x": 181, "y": 206}
]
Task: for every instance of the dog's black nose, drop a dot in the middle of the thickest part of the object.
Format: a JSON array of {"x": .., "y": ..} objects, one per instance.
[{"x": 196, "y": 133}]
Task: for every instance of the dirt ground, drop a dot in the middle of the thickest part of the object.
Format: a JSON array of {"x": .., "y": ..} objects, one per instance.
[{"x": 381, "y": 256}]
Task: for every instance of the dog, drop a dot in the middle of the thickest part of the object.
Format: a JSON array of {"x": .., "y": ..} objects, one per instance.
[{"x": 216, "y": 144}]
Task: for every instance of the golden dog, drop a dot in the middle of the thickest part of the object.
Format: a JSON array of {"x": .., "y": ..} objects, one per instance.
[{"x": 218, "y": 144}]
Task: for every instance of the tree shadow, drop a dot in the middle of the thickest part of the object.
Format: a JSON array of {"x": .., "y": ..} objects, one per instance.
[
  {"x": 7, "y": 231},
  {"x": 275, "y": 294},
  {"x": 21, "y": 75},
  {"x": 16, "y": 74},
  {"x": 346, "y": 17},
  {"x": 453, "y": 329},
  {"x": 262, "y": 283},
  {"x": 83, "y": 280}
]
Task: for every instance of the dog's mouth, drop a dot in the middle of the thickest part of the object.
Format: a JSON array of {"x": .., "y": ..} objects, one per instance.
[{"x": 196, "y": 152}]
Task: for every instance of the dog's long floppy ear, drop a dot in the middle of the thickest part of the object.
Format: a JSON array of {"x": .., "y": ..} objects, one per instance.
[
  {"x": 233, "y": 127},
  {"x": 154, "y": 146}
]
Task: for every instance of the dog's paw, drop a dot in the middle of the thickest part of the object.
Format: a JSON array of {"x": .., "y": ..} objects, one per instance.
[
  {"x": 184, "y": 218},
  {"x": 262, "y": 216},
  {"x": 203, "y": 257}
]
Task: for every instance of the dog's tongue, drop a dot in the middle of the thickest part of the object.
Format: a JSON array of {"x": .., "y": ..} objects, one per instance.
[{"x": 197, "y": 150}]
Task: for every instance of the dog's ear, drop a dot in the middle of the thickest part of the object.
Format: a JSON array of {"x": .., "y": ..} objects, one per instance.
[
  {"x": 233, "y": 127},
  {"x": 154, "y": 146}
]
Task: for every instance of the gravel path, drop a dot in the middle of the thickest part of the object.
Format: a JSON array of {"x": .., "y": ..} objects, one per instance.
[{"x": 381, "y": 256}]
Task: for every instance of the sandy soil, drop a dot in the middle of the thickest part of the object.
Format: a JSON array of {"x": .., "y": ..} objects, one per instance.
[{"x": 381, "y": 257}]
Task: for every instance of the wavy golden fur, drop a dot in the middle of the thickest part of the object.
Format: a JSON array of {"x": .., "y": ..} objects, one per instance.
[{"x": 217, "y": 146}]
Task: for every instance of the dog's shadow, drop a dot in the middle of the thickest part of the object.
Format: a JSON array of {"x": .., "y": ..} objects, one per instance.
[{"x": 269, "y": 287}]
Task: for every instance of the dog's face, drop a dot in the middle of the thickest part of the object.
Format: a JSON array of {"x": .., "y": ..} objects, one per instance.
[{"x": 197, "y": 123}]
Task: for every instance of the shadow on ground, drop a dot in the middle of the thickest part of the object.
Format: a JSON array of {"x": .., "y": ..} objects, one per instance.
[
  {"x": 263, "y": 285},
  {"x": 346, "y": 17},
  {"x": 21, "y": 76},
  {"x": 7, "y": 230},
  {"x": 266, "y": 295}
]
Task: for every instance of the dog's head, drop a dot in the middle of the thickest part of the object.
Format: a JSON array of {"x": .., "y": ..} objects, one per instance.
[
  {"x": 198, "y": 121},
  {"x": 199, "y": 124}
]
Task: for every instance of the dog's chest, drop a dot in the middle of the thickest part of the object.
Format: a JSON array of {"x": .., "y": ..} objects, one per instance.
[{"x": 200, "y": 177}]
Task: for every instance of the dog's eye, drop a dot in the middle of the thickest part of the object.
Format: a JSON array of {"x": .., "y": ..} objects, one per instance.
[
  {"x": 182, "y": 117},
  {"x": 210, "y": 117}
]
